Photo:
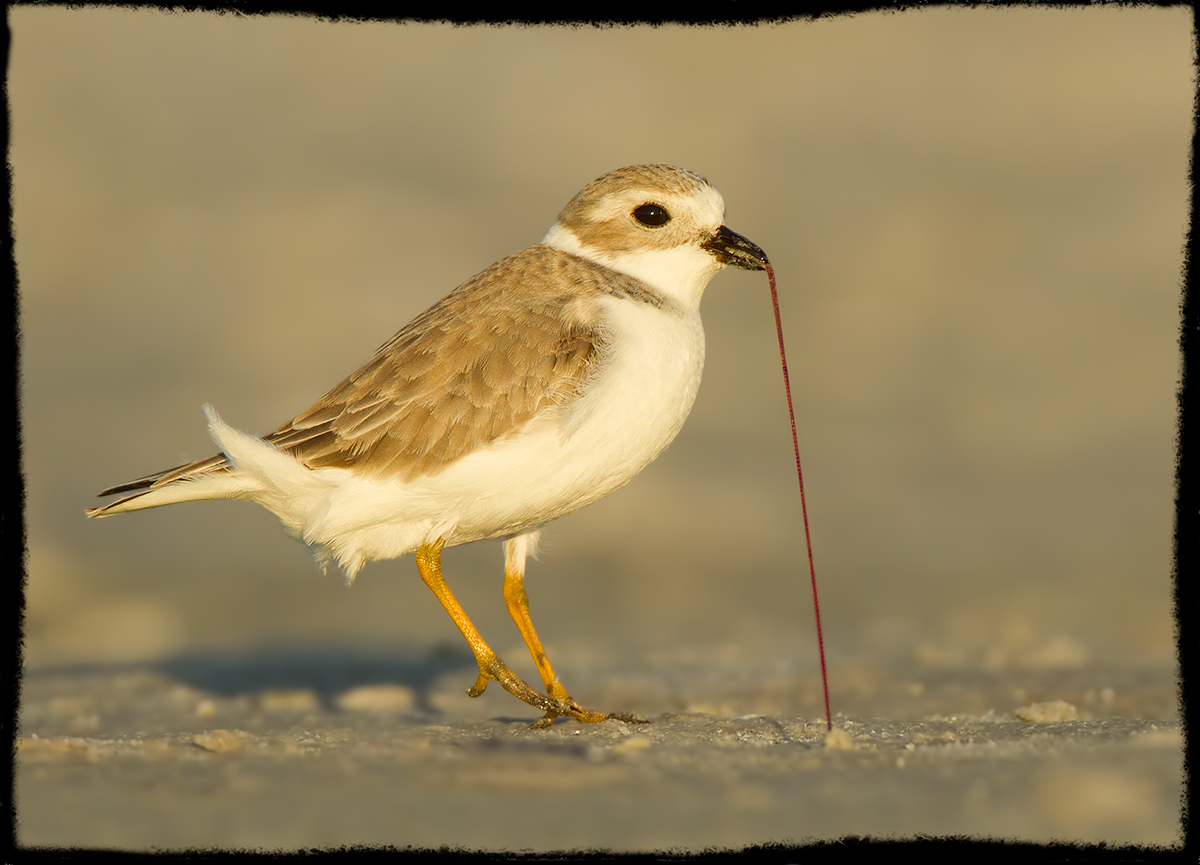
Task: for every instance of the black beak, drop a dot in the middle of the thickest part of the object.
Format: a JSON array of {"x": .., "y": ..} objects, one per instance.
[{"x": 729, "y": 247}]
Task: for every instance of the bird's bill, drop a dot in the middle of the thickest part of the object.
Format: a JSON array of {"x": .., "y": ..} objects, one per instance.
[{"x": 729, "y": 247}]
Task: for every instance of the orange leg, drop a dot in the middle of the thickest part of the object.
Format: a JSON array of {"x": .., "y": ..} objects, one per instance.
[
  {"x": 429, "y": 563},
  {"x": 517, "y": 602}
]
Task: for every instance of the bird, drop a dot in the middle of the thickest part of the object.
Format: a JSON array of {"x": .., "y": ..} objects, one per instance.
[{"x": 536, "y": 387}]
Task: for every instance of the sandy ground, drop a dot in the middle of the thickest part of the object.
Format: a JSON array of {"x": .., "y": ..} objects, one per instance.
[
  {"x": 977, "y": 218},
  {"x": 298, "y": 752}
]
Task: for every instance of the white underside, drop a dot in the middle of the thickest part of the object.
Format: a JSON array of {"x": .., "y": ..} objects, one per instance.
[{"x": 563, "y": 459}]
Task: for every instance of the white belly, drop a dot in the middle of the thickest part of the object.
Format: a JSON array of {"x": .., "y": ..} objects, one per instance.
[{"x": 564, "y": 459}]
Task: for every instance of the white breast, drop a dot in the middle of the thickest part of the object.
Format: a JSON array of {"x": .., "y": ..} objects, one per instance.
[{"x": 641, "y": 396}]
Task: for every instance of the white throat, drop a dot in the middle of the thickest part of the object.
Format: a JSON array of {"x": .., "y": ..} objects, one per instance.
[{"x": 680, "y": 273}]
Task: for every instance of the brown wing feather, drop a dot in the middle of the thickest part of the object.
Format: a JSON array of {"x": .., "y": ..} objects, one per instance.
[{"x": 473, "y": 368}]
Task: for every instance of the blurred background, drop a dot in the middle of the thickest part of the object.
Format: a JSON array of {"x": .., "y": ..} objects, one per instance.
[{"x": 977, "y": 220}]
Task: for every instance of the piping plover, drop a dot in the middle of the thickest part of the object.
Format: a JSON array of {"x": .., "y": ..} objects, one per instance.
[{"x": 534, "y": 388}]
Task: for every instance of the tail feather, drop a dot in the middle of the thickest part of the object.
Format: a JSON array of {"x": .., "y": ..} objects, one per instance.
[
  {"x": 257, "y": 466},
  {"x": 209, "y": 478},
  {"x": 157, "y": 479},
  {"x": 171, "y": 485}
]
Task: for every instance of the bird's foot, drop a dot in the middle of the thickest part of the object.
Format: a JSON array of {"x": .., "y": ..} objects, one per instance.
[
  {"x": 570, "y": 709},
  {"x": 492, "y": 668},
  {"x": 558, "y": 706}
]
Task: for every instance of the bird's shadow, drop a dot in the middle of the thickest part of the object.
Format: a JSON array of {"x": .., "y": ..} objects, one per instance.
[{"x": 327, "y": 672}]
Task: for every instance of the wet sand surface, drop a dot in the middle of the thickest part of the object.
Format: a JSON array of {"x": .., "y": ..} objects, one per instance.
[{"x": 244, "y": 754}]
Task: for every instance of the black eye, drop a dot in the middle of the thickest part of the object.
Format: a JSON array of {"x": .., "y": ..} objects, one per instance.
[{"x": 652, "y": 215}]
